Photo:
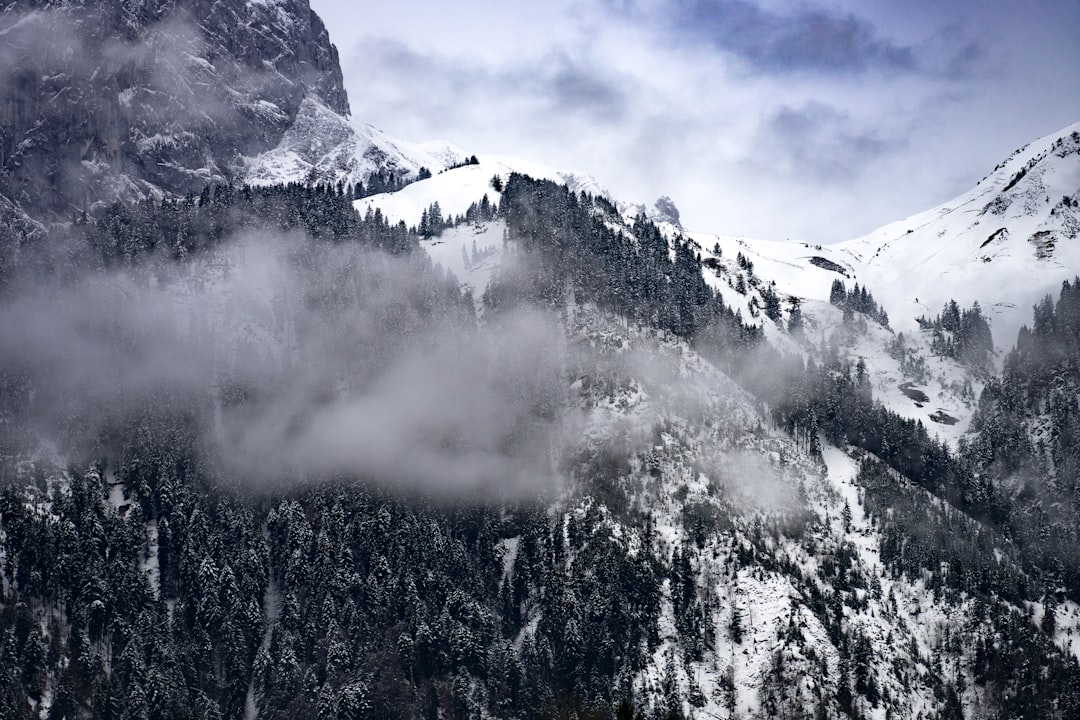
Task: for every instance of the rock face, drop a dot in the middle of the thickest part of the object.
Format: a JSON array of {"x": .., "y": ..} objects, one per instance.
[
  {"x": 105, "y": 100},
  {"x": 321, "y": 146}
]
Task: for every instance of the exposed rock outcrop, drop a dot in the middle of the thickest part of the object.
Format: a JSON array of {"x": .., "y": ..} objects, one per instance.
[{"x": 103, "y": 100}]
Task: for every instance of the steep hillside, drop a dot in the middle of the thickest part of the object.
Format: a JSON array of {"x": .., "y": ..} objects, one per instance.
[
  {"x": 1031, "y": 200},
  {"x": 458, "y": 187},
  {"x": 106, "y": 101},
  {"x": 1007, "y": 244},
  {"x": 323, "y": 146}
]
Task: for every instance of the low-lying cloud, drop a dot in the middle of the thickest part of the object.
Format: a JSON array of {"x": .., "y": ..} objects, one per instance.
[{"x": 297, "y": 361}]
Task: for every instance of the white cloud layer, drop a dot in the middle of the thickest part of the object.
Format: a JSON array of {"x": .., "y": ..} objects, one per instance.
[{"x": 810, "y": 121}]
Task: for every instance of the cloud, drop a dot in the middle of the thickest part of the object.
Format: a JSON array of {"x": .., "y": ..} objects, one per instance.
[
  {"x": 292, "y": 360},
  {"x": 557, "y": 82},
  {"x": 698, "y": 100},
  {"x": 823, "y": 143},
  {"x": 285, "y": 362},
  {"x": 962, "y": 57},
  {"x": 649, "y": 116},
  {"x": 577, "y": 87},
  {"x": 806, "y": 39}
]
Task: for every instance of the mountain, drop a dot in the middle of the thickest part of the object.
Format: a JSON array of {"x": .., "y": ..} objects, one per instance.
[
  {"x": 107, "y": 101},
  {"x": 915, "y": 379},
  {"x": 1008, "y": 243},
  {"x": 493, "y": 443},
  {"x": 322, "y": 146}
]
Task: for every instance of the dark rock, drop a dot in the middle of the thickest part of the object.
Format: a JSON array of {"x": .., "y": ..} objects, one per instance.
[
  {"x": 914, "y": 393},
  {"x": 666, "y": 211},
  {"x": 940, "y": 416},
  {"x": 107, "y": 101},
  {"x": 826, "y": 264}
]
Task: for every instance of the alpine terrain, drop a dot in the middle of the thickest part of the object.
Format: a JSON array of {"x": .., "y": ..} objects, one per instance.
[{"x": 300, "y": 420}]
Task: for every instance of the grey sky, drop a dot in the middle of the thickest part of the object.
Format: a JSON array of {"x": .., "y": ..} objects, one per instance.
[{"x": 814, "y": 121}]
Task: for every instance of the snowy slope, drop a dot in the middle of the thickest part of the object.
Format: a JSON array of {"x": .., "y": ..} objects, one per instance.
[
  {"x": 806, "y": 272},
  {"x": 470, "y": 252},
  {"x": 794, "y": 271},
  {"x": 457, "y": 188},
  {"x": 777, "y": 506},
  {"x": 1007, "y": 243}
]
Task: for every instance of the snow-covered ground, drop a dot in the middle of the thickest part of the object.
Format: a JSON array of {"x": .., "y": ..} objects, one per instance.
[
  {"x": 1005, "y": 244},
  {"x": 457, "y": 188},
  {"x": 988, "y": 245},
  {"x": 754, "y": 474},
  {"x": 470, "y": 252}
]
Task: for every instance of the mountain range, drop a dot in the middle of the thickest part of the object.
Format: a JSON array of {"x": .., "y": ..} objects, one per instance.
[{"x": 302, "y": 420}]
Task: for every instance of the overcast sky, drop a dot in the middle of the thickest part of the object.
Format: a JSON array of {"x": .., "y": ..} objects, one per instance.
[{"x": 815, "y": 121}]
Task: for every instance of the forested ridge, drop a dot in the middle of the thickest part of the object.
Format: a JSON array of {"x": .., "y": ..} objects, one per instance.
[{"x": 143, "y": 581}]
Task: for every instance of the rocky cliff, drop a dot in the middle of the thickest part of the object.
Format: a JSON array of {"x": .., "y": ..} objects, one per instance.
[{"x": 105, "y": 100}]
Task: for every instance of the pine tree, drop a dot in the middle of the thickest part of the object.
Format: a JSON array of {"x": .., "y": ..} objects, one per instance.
[
  {"x": 735, "y": 626},
  {"x": 837, "y": 293},
  {"x": 795, "y": 322}
]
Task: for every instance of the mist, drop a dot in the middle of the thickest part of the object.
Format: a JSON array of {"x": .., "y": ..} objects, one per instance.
[
  {"x": 277, "y": 360},
  {"x": 294, "y": 361}
]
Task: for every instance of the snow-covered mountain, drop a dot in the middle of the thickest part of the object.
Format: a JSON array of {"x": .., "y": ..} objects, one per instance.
[
  {"x": 176, "y": 97},
  {"x": 112, "y": 101},
  {"x": 745, "y": 495},
  {"x": 457, "y": 188},
  {"x": 1030, "y": 201},
  {"x": 904, "y": 623},
  {"x": 1006, "y": 244}
]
